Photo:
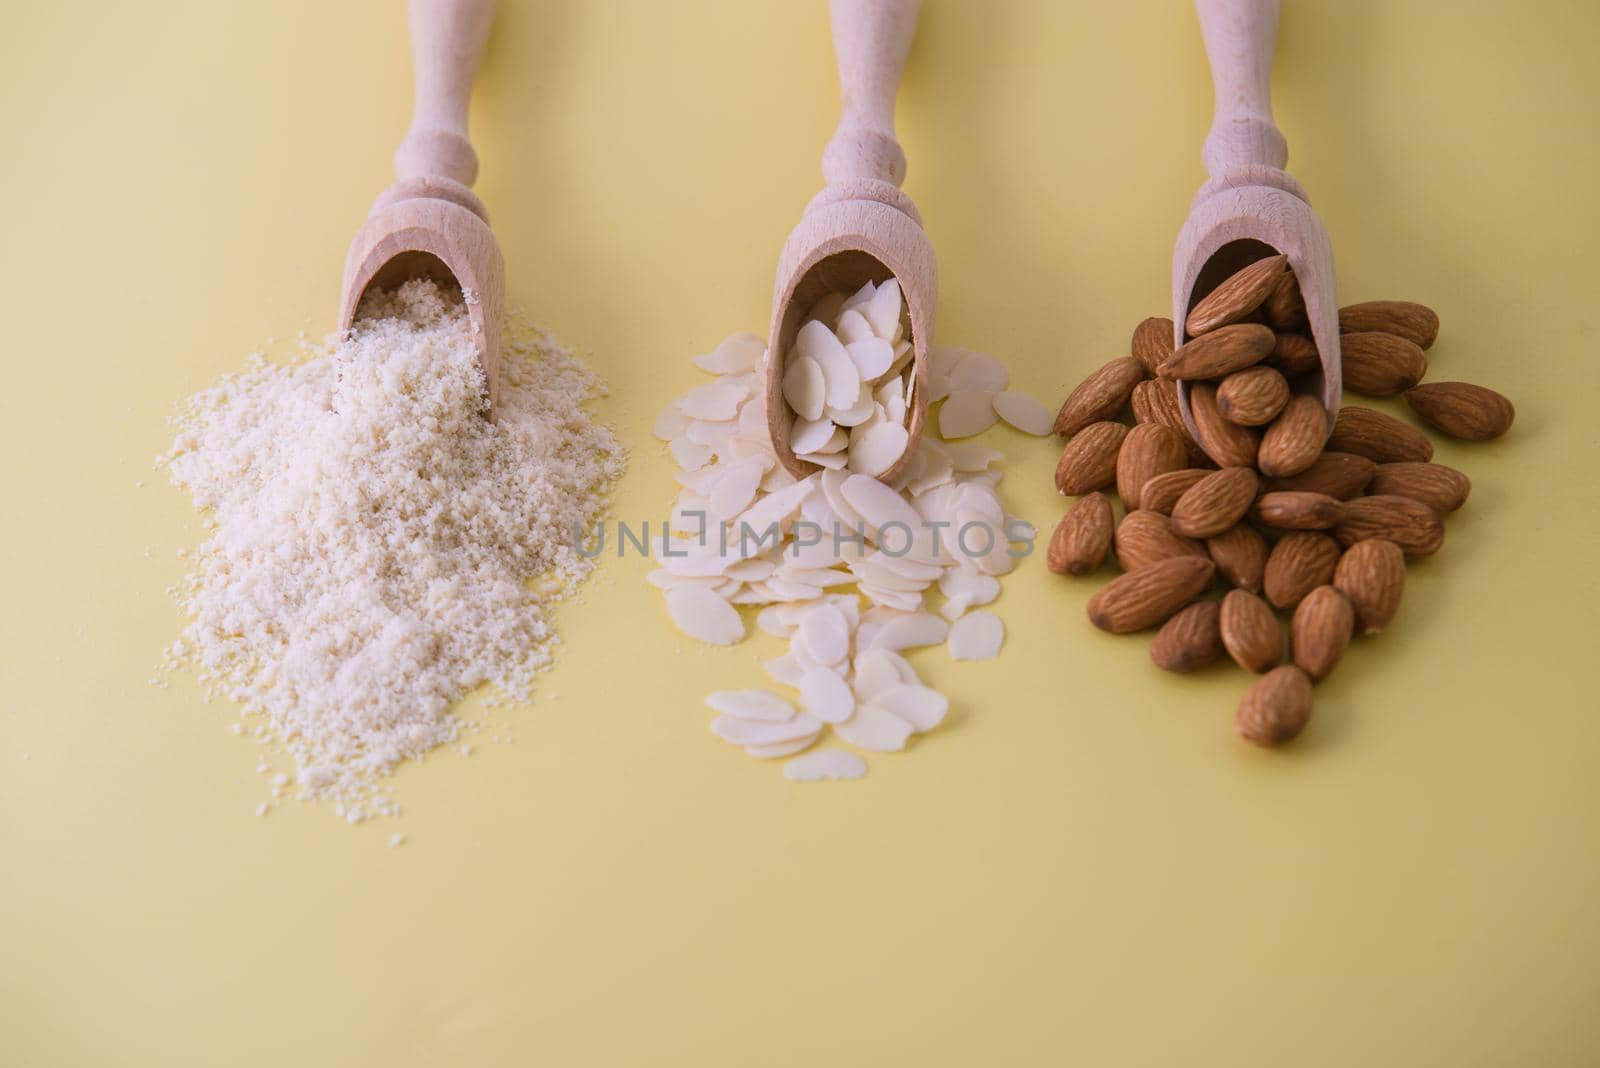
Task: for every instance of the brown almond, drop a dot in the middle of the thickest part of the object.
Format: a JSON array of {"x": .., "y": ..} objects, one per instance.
[
  {"x": 1444, "y": 489},
  {"x": 1229, "y": 444},
  {"x": 1276, "y": 708},
  {"x": 1372, "y": 576},
  {"x": 1215, "y": 503},
  {"x": 1380, "y": 364},
  {"x": 1414, "y": 322},
  {"x": 1189, "y": 640},
  {"x": 1338, "y": 474},
  {"x": 1161, "y": 492},
  {"x": 1221, "y": 352},
  {"x": 1146, "y": 537},
  {"x": 1150, "y": 449},
  {"x": 1252, "y": 397},
  {"x": 1240, "y": 554},
  {"x": 1250, "y": 631},
  {"x": 1320, "y": 631},
  {"x": 1413, "y": 526},
  {"x": 1294, "y": 354},
  {"x": 1150, "y": 595},
  {"x": 1082, "y": 538},
  {"x": 1099, "y": 397},
  {"x": 1152, "y": 342},
  {"x": 1297, "y": 510},
  {"x": 1089, "y": 462},
  {"x": 1300, "y": 562},
  {"x": 1294, "y": 440},
  {"x": 1462, "y": 410},
  {"x": 1379, "y": 437},
  {"x": 1237, "y": 296},
  {"x": 1155, "y": 400},
  {"x": 1284, "y": 307}
]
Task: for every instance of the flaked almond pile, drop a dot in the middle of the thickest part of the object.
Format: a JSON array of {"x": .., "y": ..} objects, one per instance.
[{"x": 1261, "y": 519}]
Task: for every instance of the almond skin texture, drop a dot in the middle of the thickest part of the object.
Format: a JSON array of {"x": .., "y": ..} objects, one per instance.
[
  {"x": 1444, "y": 489},
  {"x": 1150, "y": 449},
  {"x": 1294, "y": 440},
  {"x": 1082, "y": 538},
  {"x": 1413, "y": 526},
  {"x": 1156, "y": 401},
  {"x": 1152, "y": 342},
  {"x": 1227, "y": 443},
  {"x": 1321, "y": 631},
  {"x": 1379, "y": 364},
  {"x": 1221, "y": 352},
  {"x": 1252, "y": 397},
  {"x": 1414, "y": 322},
  {"x": 1089, "y": 462},
  {"x": 1372, "y": 576},
  {"x": 1150, "y": 595},
  {"x": 1338, "y": 474},
  {"x": 1250, "y": 632},
  {"x": 1298, "y": 564},
  {"x": 1147, "y": 538},
  {"x": 1297, "y": 511},
  {"x": 1240, "y": 555},
  {"x": 1161, "y": 492},
  {"x": 1276, "y": 708},
  {"x": 1380, "y": 438},
  {"x": 1215, "y": 503},
  {"x": 1462, "y": 410},
  {"x": 1294, "y": 354},
  {"x": 1189, "y": 640},
  {"x": 1284, "y": 307},
  {"x": 1239, "y": 294},
  {"x": 1099, "y": 397}
]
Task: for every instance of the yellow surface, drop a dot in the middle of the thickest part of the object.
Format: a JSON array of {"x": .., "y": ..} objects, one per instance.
[{"x": 1085, "y": 867}]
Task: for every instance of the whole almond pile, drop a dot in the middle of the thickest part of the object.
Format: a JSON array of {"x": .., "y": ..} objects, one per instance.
[{"x": 1261, "y": 516}]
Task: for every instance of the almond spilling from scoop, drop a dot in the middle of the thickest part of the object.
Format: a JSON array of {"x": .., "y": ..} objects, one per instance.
[
  {"x": 1276, "y": 709},
  {"x": 1189, "y": 640},
  {"x": 1150, "y": 449},
  {"x": 1410, "y": 524},
  {"x": 1155, "y": 400},
  {"x": 1294, "y": 354},
  {"x": 1462, "y": 410},
  {"x": 1240, "y": 554},
  {"x": 1284, "y": 307},
  {"x": 1372, "y": 576},
  {"x": 1161, "y": 492},
  {"x": 1150, "y": 595},
  {"x": 1293, "y": 442},
  {"x": 1379, "y": 437},
  {"x": 1152, "y": 343},
  {"x": 1099, "y": 397},
  {"x": 1444, "y": 489},
  {"x": 1221, "y": 352},
  {"x": 1283, "y": 510},
  {"x": 1299, "y": 563},
  {"x": 1229, "y": 444},
  {"x": 1240, "y": 294},
  {"x": 1147, "y": 537},
  {"x": 1414, "y": 322},
  {"x": 1379, "y": 364},
  {"x": 1215, "y": 503},
  {"x": 1321, "y": 631},
  {"x": 1250, "y": 631},
  {"x": 1252, "y": 397},
  {"x": 1338, "y": 474},
  {"x": 1082, "y": 538},
  {"x": 1089, "y": 462}
]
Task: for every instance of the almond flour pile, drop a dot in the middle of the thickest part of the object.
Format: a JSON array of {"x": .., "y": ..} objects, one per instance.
[{"x": 378, "y": 548}]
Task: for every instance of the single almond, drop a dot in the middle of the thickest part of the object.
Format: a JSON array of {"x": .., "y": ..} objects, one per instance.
[
  {"x": 1380, "y": 364},
  {"x": 1297, "y": 510},
  {"x": 1462, "y": 410},
  {"x": 1215, "y": 503},
  {"x": 1099, "y": 397},
  {"x": 1146, "y": 537},
  {"x": 1155, "y": 400},
  {"x": 1414, "y": 322},
  {"x": 1161, "y": 492},
  {"x": 1276, "y": 708},
  {"x": 1240, "y": 554},
  {"x": 1410, "y": 524},
  {"x": 1338, "y": 474},
  {"x": 1300, "y": 562},
  {"x": 1150, "y": 595},
  {"x": 1229, "y": 444},
  {"x": 1320, "y": 631},
  {"x": 1284, "y": 307},
  {"x": 1189, "y": 640},
  {"x": 1221, "y": 352},
  {"x": 1444, "y": 489},
  {"x": 1379, "y": 437},
  {"x": 1294, "y": 354},
  {"x": 1252, "y": 397},
  {"x": 1294, "y": 440},
  {"x": 1150, "y": 449},
  {"x": 1250, "y": 631},
  {"x": 1082, "y": 538},
  {"x": 1372, "y": 576},
  {"x": 1152, "y": 342},
  {"x": 1089, "y": 462},
  {"x": 1237, "y": 296}
]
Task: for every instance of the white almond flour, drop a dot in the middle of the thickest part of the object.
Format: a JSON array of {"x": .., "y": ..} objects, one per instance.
[{"x": 377, "y": 547}]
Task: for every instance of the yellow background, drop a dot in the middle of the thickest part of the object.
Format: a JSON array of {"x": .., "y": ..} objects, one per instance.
[{"x": 1085, "y": 867}]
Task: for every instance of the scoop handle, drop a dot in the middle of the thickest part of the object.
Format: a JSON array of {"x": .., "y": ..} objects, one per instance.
[
  {"x": 1240, "y": 36},
  {"x": 447, "y": 41},
  {"x": 871, "y": 39}
]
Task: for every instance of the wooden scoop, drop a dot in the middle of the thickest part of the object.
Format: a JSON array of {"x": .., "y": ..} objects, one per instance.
[
  {"x": 429, "y": 222},
  {"x": 861, "y": 227},
  {"x": 1251, "y": 208}
]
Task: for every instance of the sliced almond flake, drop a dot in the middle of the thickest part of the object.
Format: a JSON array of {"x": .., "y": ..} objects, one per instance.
[
  {"x": 804, "y": 387},
  {"x": 955, "y": 606},
  {"x": 752, "y": 418},
  {"x": 839, "y": 374},
  {"x": 776, "y": 479},
  {"x": 701, "y": 614},
  {"x": 977, "y": 636},
  {"x": 742, "y": 731},
  {"x": 858, "y": 298},
  {"x": 762, "y": 705},
  {"x": 866, "y": 632},
  {"x": 872, "y": 356},
  {"x": 689, "y": 455},
  {"x": 983, "y": 478},
  {"x": 934, "y": 469},
  {"x": 871, "y": 571},
  {"x": 831, "y": 461},
  {"x": 878, "y": 505},
  {"x": 901, "y": 599},
  {"x": 883, "y": 310},
  {"x": 863, "y": 409},
  {"x": 816, "y": 576},
  {"x": 976, "y": 587},
  {"x": 877, "y": 449},
  {"x": 736, "y": 489},
  {"x": 978, "y": 372},
  {"x": 826, "y": 695},
  {"x": 770, "y": 619},
  {"x": 731, "y": 589},
  {"x": 671, "y": 423},
  {"x": 690, "y": 557},
  {"x": 713, "y": 435},
  {"x": 792, "y": 591},
  {"x": 742, "y": 446},
  {"x": 965, "y": 413},
  {"x": 753, "y": 570},
  {"x": 971, "y": 456},
  {"x": 826, "y": 634},
  {"x": 817, "y": 553},
  {"x": 775, "y": 508},
  {"x": 876, "y": 673},
  {"x": 701, "y": 480},
  {"x": 780, "y": 749},
  {"x": 903, "y": 355},
  {"x": 833, "y": 489},
  {"x": 810, "y": 435},
  {"x": 838, "y": 438},
  {"x": 825, "y": 764},
  {"x": 922, "y": 707},
  {"x": 875, "y": 728},
  {"x": 735, "y": 354},
  {"x": 906, "y": 567},
  {"x": 920, "y": 628},
  {"x": 826, "y": 309},
  {"x": 786, "y": 669},
  {"x": 1019, "y": 529},
  {"x": 853, "y": 327},
  {"x": 713, "y": 401},
  {"x": 689, "y": 514},
  {"x": 1025, "y": 412},
  {"x": 662, "y": 579},
  {"x": 752, "y": 594}
]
